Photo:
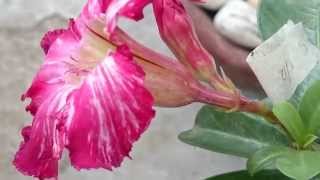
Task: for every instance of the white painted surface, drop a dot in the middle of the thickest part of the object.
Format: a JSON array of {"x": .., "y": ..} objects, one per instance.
[{"x": 283, "y": 61}]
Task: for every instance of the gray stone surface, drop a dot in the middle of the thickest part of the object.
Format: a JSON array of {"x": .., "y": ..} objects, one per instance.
[{"x": 159, "y": 155}]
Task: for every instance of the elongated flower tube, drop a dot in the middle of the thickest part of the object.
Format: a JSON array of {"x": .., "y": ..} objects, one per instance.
[
  {"x": 166, "y": 79},
  {"x": 170, "y": 83},
  {"x": 176, "y": 29}
]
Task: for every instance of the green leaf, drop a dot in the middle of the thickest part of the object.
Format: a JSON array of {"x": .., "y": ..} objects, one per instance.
[
  {"x": 310, "y": 108},
  {"x": 291, "y": 120},
  {"x": 300, "y": 165},
  {"x": 301, "y": 90},
  {"x": 311, "y": 79},
  {"x": 244, "y": 175},
  {"x": 273, "y": 14},
  {"x": 310, "y": 139},
  {"x": 265, "y": 158},
  {"x": 234, "y": 133}
]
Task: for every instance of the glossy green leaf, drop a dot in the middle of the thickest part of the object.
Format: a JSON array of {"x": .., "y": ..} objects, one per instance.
[
  {"x": 234, "y": 133},
  {"x": 310, "y": 108},
  {"x": 311, "y": 79},
  {"x": 244, "y": 175},
  {"x": 291, "y": 120},
  {"x": 310, "y": 139},
  {"x": 301, "y": 90},
  {"x": 265, "y": 158},
  {"x": 300, "y": 165},
  {"x": 273, "y": 14}
]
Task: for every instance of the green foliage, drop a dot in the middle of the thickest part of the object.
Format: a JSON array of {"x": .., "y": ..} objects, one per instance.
[
  {"x": 265, "y": 158},
  {"x": 310, "y": 108},
  {"x": 311, "y": 79},
  {"x": 234, "y": 133},
  {"x": 292, "y": 121},
  {"x": 244, "y": 175},
  {"x": 265, "y": 145},
  {"x": 273, "y": 14},
  {"x": 301, "y": 125},
  {"x": 304, "y": 125},
  {"x": 300, "y": 165},
  {"x": 250, "y": 136}
]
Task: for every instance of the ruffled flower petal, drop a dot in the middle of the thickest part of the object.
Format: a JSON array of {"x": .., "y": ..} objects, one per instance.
[
  {"x": 132, "y": 9},
  {"x": 44, "y": 141},
  {"x": 112, "y": 9},
  {"x": 112, "y": 109},
  {"x": 52, "y": 74},
  {"x": 94, "y": 8},
  {"x": 49, "y": 39}
]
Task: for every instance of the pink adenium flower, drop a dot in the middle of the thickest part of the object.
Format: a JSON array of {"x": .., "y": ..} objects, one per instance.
[
  {"x": 96, "y": 108},
  {"x": 90, "y": 94},
  {"x": 86, "y": 97},
  {"x": 94, "y": 93}
]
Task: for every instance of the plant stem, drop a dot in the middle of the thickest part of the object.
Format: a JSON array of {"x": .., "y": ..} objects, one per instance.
[{"x": 231, "y": 102}]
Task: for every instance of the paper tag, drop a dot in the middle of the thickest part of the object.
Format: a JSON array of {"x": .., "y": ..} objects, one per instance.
[{"x": 282, "y": 62}]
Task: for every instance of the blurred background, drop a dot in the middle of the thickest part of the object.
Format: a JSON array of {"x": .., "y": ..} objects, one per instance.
[{"x": 159, "y": 155}]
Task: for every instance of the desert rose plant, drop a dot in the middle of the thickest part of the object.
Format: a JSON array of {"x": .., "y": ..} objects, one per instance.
[{"x": 95, "y": 91}]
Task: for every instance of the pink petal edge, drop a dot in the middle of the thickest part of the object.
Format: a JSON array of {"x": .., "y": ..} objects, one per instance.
[
  {"x": 49, "y": 38},
  {"x": 113, "y": 9}
]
